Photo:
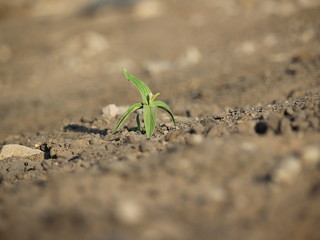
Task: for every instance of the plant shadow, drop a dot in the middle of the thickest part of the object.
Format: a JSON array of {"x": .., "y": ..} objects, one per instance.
[{"x": 84, "y": 129}]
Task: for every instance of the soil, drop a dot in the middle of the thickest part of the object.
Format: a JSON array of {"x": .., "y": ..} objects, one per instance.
[{"x": 242, "y": 78}]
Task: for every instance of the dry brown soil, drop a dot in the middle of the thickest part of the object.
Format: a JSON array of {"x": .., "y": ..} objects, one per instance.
[{"x": 242, "y": 78}]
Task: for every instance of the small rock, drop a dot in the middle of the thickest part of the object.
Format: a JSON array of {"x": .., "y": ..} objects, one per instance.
[
  {"x": 16, "y": 150},
  {"x": 248, "y": 47},
  {"x": 195, "y": 139},
  {"x": 112, "y": 110},
  {"x": 129, "y": 212},
  {"x": 311, "y": 155},
  {"x": 169, "y": 125},
  {"x": 148, "y": 9},
  {"x": 287, "y": 170}
]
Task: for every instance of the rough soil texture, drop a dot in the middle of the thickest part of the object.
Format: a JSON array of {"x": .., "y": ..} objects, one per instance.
[{"x": 242, "y": 78}]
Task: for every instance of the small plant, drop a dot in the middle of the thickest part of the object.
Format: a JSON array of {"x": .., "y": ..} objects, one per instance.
[{"x": 148, "y": 104}]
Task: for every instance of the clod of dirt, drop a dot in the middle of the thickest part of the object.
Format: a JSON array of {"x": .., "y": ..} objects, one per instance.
[
  {"x": 15, "y": 150},
  {"x": 285, "y": 126},
  {"x": 273, "y": 121}
]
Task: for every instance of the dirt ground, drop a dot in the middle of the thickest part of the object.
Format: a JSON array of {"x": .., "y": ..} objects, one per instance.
[{"x": 242, "y": 78}]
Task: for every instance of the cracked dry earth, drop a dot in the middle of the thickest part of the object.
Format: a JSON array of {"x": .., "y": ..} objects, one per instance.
[{"x": 243, "y": 161}]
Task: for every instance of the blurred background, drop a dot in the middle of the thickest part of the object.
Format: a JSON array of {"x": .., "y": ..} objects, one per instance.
[{"x": 61, "y": 60}]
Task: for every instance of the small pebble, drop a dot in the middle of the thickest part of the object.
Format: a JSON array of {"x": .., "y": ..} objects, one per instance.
[
  {"x": 195, "y": 139},
  {"x": 311, "y": 155},
  {"x": 287, "y": 171},
  {"x": 110, "y": 111},
  {"x": 129, "y": 212}
]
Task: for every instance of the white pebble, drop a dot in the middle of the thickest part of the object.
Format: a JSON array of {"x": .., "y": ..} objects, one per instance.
[
  {"x": 16, "y": 150},
  {"x": 148, "y": 9},
  {"x": 196, "y": 139},
  {"x": 311, "y": 155},
  {"x": 110, "y": 111},
  {"x": 129, "y": 212},
  {"x": 287, "y": 170}
]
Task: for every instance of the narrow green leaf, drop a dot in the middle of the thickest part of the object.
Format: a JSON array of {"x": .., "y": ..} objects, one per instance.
[
  {"x": 165, "y": 107},
  {"x": 131, "y": 109},
  {"x": 142, "y": 87},
  {"x": 150, "y": 119},
  {"x": 154, "y": 97}
]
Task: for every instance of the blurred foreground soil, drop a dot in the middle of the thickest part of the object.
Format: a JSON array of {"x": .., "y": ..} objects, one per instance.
[{"x": 242, "y": 78}]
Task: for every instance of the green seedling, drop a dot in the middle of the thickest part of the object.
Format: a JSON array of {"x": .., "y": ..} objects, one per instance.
[{"x": 148, "y": 104}]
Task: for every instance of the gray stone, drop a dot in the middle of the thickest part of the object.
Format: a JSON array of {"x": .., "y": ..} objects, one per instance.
[{"x": 16, "y": 150}]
